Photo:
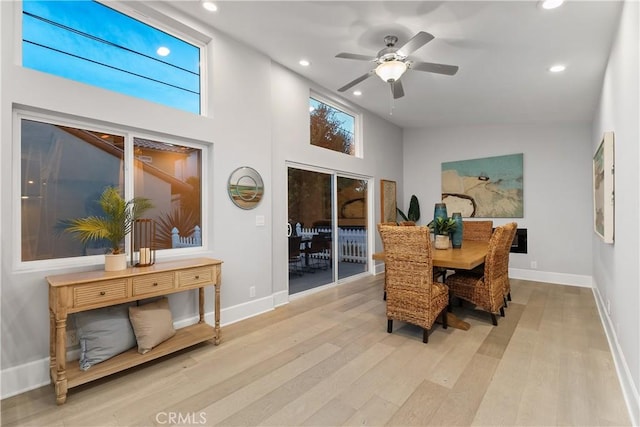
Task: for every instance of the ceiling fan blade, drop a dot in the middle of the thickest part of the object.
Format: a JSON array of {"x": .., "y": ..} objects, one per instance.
[
  {"x": 356, "y": 81},
  {"x": 415, "y": 43},
  {"x": 345, "y": 55},
  {"x": 396, "y": 89},
  {"x": 430, "y": 67}
]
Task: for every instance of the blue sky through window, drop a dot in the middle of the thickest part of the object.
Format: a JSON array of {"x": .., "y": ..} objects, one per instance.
[
  {"x": 94, "y": 44},
  {"x": 347, "y": 121}
]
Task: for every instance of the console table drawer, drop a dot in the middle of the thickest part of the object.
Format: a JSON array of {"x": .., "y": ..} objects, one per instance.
[
  {"x": 152, "y": 283},
  {"x": 195, "y": 276},
  {"x": 99, "y": 292}
]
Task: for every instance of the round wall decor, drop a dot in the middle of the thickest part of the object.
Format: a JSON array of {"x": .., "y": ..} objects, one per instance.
[{"x": 245, "y": 187}]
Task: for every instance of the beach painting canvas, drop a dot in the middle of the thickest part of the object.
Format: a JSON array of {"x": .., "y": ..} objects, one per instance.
[{"x": 490, "y": 187}]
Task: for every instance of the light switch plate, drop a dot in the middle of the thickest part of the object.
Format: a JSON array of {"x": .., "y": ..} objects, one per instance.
[{"x": 259, "y": 220}]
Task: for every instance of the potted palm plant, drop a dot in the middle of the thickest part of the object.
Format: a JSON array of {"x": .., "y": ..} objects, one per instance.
[
  {"x": 113, "y": 226},
  {"x": 442, "y": 227}
]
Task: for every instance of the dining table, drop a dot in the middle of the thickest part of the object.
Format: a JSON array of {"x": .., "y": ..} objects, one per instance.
[{"x": 469, "y": 256}]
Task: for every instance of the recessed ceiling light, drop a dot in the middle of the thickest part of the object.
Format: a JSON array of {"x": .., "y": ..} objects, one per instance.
[
  {"x": 163, "y": 51},
  {"x": 557, "y": 68},
  {"x": 551, "y": 4},
  {"x": 357, "y": 93},
  {"x": 304, "y": 62},
  {"x": 209, "y": 5}
]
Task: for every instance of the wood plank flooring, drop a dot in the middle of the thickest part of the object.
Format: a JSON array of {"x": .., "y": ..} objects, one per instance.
[{"x": 327, "y": 360}]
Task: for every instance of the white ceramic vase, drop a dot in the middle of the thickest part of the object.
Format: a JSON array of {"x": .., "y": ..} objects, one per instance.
[
  {"x": 115, "y": 262},
  {"x": 442, "y": 241}
]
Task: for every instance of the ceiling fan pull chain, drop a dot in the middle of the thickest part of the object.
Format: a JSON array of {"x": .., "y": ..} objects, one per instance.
[{"x": 392, "y": 106}]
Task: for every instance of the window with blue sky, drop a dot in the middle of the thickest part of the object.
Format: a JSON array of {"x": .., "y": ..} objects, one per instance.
[{"x": 94, "y": 44}]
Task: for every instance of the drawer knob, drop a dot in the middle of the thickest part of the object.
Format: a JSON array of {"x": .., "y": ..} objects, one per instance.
[
  {"x": 155, "y": 283},
  {"x": 197, "y": 277},
  {"x": 102, "y": 293}
]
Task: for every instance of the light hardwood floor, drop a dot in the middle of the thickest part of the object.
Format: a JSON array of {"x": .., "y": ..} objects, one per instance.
[{"x": 327, "y": 360}]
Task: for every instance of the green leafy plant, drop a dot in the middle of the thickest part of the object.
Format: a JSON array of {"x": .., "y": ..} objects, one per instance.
[
  {"x": 443, "y": 226},
  {"x": 116, "y": 222},
  {"x": 413, "y": 214}
]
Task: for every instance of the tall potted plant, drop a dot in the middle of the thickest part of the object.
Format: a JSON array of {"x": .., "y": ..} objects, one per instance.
[
  {"x": 442, "y": 227},
  {"x": 413, "y": 214},
  {"x": 113, "y": 226}
]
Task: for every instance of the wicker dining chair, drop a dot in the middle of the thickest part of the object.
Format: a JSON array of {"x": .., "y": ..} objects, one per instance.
[
  {"x": 412, "y": 294},
  {"x": 477, "y": 230},
  {"x": 392, "y": 224},
  {"x": 486, "y": 291},
  {"x": 512, "y": 228}
]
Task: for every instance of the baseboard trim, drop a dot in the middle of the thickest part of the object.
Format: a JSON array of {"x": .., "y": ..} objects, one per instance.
[
  {"x": 25, "y": 377},
  {"x": 551, "y": 277},
  {"x": 629, "y": 390}
]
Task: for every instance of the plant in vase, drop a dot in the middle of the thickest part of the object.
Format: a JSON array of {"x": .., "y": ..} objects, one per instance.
[
  {"x": 113, "y": 226},
  {"x": 443, "y": 227}
]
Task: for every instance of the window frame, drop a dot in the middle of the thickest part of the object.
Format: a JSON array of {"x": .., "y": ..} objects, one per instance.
[
  {"x": 128, "y": 134},
  {"x": 346, "y": 109},
  {"x": 154, "y": 18}
]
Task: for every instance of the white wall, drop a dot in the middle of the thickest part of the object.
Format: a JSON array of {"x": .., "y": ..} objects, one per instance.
[
  {"x": 557, "y": 188},
  {"x": 258, "y": 117},
  {"x": 616, "y": 267}
]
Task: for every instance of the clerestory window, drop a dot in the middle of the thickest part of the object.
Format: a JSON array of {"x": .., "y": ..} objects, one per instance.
[
  {"x": 332, "y": 127},
  {"x": 91, "y": 43}
]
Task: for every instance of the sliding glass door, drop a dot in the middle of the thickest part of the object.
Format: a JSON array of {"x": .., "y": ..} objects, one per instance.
[
  {"x": 352, "y": 235},
  {"x": 328, "y": 230}
]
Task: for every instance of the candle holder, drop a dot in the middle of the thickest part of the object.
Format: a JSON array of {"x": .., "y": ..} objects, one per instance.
[{"x": 143, "y": 252}]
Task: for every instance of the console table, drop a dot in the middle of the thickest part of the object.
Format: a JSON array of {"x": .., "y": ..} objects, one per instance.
[{"x": 72, "y": 293}]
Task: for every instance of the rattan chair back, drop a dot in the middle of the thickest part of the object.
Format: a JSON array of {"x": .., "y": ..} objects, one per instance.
[
  {"x": 412, "y": 295},
  {"x": 477, "y": 230}
]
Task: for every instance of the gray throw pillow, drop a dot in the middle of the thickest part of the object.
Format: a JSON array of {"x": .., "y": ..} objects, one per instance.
[{"x": 103, "y": 333}]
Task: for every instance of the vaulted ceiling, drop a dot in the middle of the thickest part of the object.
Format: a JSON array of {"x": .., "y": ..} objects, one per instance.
[{"x": 503, "y": 49}]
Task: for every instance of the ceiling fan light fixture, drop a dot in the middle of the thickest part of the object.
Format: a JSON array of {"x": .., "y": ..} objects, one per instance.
[{"x": 391, "y": 71}]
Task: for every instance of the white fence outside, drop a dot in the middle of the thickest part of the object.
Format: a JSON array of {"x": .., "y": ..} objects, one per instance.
[
  {"x": 352, "y": 243},
  {"x": 178, "y": 241}
]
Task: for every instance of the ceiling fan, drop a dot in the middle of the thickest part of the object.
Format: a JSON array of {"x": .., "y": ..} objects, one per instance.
[{"x": 393, "y": 61}]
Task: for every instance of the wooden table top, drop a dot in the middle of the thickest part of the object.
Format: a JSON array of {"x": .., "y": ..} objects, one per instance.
[{"x": 469, "y": 256}]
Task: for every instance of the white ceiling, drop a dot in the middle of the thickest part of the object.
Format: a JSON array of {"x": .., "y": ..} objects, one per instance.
[{"x": 503, "y": 49}]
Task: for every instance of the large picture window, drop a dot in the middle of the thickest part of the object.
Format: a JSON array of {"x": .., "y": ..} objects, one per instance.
[
  {"x": 91, "y": 43},
  {"x": 64, "y": 169},
  {"x": 332, "y": 128}
]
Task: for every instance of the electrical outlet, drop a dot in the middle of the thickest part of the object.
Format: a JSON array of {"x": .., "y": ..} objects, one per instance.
[
  {"x": 252, "y": 291},
  {"x": 72, "y": 338},
  {"x": 534, "y": 264}
]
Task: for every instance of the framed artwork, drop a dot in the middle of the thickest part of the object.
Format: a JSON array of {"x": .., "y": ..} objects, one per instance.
[
  {"x": 489, "y": 187},
  {"x": 388, "y": 201},
  {"x": 603, "y": 189}
]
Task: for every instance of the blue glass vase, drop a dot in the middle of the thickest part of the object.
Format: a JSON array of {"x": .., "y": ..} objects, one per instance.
[
  {"x": 440, "y": 211},
  {"x": 456, "y": 236}
]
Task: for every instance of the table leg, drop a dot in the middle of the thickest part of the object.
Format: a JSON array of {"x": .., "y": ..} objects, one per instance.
[
  {"x": 61, "y": 358},
  {"x": 454, "y": 322},
  {"x": 201, "y": 304},
  {"x": 217, "y": 307}
]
